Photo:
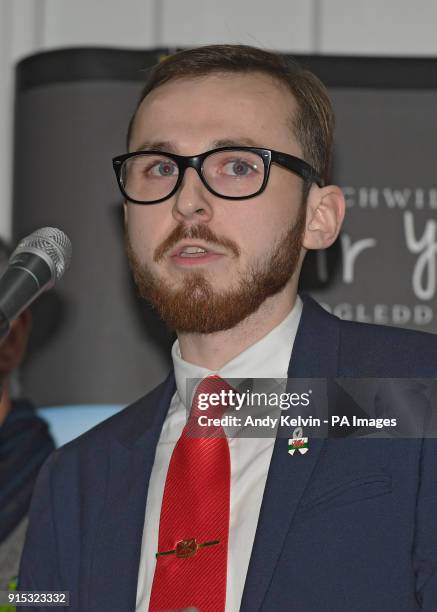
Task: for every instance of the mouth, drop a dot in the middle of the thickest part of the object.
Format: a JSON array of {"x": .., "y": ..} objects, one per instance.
[{"x": 193, "y": 253}]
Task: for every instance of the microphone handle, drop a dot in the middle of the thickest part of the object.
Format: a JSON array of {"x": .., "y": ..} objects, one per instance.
[{"x": 26, "y": 277}]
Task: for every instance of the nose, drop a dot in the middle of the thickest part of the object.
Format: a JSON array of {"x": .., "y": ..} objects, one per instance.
[{"x": 192, "y": 201}]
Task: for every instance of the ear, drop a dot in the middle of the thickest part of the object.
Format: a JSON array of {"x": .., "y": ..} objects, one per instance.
[
  {"x": 13, "y": 347},
  {"x": 125, "y": 213},
  {"x": 325, "y": 213}
]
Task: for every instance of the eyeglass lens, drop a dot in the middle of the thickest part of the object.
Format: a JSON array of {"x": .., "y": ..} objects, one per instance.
[{"x": 151, "y": 176}]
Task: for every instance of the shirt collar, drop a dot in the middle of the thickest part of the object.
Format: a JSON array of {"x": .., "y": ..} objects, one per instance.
[{"x": 267, "y": 358}]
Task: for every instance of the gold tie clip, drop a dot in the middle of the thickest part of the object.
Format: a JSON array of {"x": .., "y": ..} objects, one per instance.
[{"x": 187, "y": 548}]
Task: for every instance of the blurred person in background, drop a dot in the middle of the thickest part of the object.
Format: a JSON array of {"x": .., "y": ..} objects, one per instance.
[{"x": 25, "y": 443}]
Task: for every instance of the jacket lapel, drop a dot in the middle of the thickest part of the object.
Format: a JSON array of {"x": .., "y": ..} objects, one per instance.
[
  {"x": 114, "y": 570},
  {"x": 315, "y": 355}
]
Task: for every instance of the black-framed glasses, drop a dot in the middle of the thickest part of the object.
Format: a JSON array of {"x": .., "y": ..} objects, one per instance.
[{"x": 232, "y": 173}]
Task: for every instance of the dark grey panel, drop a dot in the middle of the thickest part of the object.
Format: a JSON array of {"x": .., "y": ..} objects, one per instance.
[
  {"x": 102, "y": 349},
  {"x": 94, "y": 341},
  {"x": 386, "y": 163}
]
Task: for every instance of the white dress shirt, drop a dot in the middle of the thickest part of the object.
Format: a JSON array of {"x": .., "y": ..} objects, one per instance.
[{"x": 250, "y": 458}]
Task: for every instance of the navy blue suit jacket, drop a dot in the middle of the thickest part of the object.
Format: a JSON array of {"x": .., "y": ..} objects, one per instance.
[{"x": 350, "y": 526}]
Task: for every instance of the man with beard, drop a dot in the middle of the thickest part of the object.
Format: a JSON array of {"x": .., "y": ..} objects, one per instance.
[{"x": 226, "y": 188}]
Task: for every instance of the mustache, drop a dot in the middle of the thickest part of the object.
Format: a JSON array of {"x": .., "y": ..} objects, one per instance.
[{"x": 201, "y": 232}]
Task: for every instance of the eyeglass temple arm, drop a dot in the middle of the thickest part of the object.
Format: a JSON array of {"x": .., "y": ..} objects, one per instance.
[{"x": 301, "y": 167}]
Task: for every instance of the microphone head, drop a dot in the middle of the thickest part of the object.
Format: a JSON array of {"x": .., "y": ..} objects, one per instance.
[{"x": 52, "y": 245}]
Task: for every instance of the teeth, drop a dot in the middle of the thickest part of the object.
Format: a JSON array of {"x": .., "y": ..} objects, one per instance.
[
  {"x": 193, "y": 254},
  {"x": 193, "y": 250}
]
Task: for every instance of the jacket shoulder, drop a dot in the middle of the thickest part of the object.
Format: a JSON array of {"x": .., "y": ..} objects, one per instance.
[
  {"x": 365, "y": 349},
  {"x": 124, "y": 424},
  {"x": 389, "y": 351}
]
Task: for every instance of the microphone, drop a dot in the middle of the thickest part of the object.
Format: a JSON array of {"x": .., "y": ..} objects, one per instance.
[{"x": 37, "y": 263}]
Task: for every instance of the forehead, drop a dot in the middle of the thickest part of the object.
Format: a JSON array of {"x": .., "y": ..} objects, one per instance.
[{"x": 193, "y": 112}]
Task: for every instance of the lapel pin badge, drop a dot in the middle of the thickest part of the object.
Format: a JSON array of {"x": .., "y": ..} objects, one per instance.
[{"x": 298, "y": 442}]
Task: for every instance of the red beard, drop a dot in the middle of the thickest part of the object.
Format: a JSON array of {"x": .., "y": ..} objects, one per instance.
[{"x": 195, "y": 306}]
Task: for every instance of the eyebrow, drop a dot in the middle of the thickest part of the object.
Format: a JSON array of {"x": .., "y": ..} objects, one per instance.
[{"x": 169, "y": 146}]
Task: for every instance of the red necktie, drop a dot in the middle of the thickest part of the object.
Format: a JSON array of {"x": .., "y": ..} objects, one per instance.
[{"x": 191, "y": 563}]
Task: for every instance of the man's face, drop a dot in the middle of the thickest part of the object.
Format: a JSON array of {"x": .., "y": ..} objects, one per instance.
[{"x": 253, "y": 245}]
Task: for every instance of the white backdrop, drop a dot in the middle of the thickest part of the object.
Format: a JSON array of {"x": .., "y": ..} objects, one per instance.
[{"x": 344, "y": 27}]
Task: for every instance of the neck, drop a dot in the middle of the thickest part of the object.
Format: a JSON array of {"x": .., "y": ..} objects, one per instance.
[
  {"x": 5, "y": 402},
  {"x": 213, "y": 351}
]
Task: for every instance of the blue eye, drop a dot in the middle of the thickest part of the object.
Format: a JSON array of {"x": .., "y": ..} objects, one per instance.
[
  {"x": 165, "y": 168},
  {"x": 239, "y": 167}
]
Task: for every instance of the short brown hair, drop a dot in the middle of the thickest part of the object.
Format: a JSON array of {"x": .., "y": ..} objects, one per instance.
[{"x": 314, "y": 125}]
